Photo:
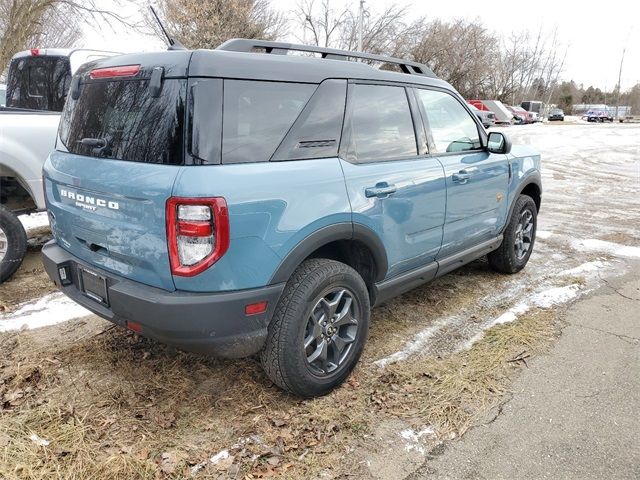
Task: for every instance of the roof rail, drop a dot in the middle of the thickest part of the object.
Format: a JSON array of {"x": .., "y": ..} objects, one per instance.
[{"x": 281, "y": 48}]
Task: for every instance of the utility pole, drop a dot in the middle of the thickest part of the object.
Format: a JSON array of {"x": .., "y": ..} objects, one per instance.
[
  {"x": 360, "y": 20},
  {"x": 619, "y": 80}
]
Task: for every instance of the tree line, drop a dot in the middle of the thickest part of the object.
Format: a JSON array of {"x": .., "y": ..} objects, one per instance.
[{"x": 475, "y": 60}]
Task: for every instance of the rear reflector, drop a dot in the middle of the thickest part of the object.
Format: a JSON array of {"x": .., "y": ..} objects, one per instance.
[
  {"x": 118, "y": 72},
  {"x": 256, "y": 308},
  {"x": 134, "y": 326}
]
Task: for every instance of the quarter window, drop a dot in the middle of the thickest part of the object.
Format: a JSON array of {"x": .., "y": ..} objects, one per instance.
[
  {"x": 381, "y": 124},
  {"x": 257, "y": 116},
  {"x": 452, "y": 127}
]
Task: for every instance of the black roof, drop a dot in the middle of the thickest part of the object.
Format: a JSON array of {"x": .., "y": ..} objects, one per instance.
[{"x": 237, "y": 59}]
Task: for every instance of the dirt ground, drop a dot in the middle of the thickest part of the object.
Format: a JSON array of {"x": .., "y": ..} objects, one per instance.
[{"x": 81, "y": 399}]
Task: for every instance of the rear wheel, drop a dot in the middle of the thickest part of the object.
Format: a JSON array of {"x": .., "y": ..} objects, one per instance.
[
  {"x": 319, "y": 328},
  {"x": 13, "y": 243},
  {"x": 517, "y": 244}
]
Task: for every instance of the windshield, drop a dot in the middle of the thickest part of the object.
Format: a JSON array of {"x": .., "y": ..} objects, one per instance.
[
  {"x": 121, "y": 120},
  {"x": 38, "y": 83}
]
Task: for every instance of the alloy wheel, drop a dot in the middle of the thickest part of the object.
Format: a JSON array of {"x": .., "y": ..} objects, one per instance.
[
  {"x": 4, "y": 244},
  {"x": 331, "y": 331},
  {"x": 524, "y": 234}
]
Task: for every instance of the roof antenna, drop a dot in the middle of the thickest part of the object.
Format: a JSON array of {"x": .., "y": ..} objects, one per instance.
[{"x": 173, "y": 44}]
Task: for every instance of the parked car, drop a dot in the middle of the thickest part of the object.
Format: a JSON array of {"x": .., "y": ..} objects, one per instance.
[
  {"x": 520, "y": 113},
  {"x": 235, "y": 202},
  {"x": 534, "y": 106},
  {"x": 3, "y": 94},
  {"x": 487, "y": 118},
  {"x": 556, "y": 114},
  {"x": 598, "y": 116},
  {"x": 500, "y": 112},
  {"x": 37, "y": 85}
]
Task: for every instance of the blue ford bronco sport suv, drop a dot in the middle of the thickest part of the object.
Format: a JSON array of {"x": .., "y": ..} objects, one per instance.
[{"x": 243, "y": 200}]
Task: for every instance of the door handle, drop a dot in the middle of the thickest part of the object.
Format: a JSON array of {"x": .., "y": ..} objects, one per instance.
[
  {"x": 381, "y": 190},
  {"x": 464, "y": 175}
]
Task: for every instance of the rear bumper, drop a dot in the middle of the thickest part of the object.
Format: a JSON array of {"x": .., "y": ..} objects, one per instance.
[{"x": 212, "y": 323}]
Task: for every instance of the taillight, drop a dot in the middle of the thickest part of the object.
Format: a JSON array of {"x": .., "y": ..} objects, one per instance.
[
  {"x": 35, "y": 52},
  {"x": 119, "y": 72},
  {"x": 197, "y": 233}
]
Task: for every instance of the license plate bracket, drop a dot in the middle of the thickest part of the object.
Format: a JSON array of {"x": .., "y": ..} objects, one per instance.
[{"x": 94, "y": 286}]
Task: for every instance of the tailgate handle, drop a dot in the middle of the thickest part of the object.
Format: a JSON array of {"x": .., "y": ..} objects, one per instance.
[{"x": 94, "y": 247}]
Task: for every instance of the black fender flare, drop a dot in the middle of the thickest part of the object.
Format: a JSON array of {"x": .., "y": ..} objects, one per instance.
[
  {"x": 326, "y": 235},
  {"x": 532, "y": 178}
]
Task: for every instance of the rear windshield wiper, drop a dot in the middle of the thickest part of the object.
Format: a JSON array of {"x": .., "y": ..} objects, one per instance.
[
  {"x": 94, "y": 142},
  {"x": 100, "y": 146}
]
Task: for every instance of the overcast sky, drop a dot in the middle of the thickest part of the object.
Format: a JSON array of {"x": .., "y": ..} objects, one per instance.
[{"x": 594, "y": 31}]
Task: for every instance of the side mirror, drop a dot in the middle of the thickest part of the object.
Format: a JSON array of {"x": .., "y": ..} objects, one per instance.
[{"x": 498, "y": 143}]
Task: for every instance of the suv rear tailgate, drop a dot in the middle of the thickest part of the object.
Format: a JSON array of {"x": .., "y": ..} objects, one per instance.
[{"x": 112, "y": 214}]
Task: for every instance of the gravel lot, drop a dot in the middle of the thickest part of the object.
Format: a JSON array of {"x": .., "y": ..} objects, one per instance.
[{"x": 80, "y": 398}]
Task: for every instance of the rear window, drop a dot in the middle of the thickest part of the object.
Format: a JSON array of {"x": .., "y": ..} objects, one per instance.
[
  {"x": 120, "y": 120},
  {"x": 38, "y": 83}
]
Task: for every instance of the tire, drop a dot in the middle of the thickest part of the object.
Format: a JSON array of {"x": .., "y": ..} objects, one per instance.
[
  {"x": 312, "y": 294},
  {"x": 13, "y": 243},
  {"x": 513, "y": 253}
]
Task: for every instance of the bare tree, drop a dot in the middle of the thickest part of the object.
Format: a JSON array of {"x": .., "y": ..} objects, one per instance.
[
  {"x": 51, "y": 23},
  {"x": 480, "y": 64},
  {"x": 461, "y": 52},
  {"x": 208, "y": 23},
  {"x": 320, "y": 22},
  {"x": 327, "y": 27},
  {"x": 528, "y": 67},
  {"x": 380, "y": 32}
]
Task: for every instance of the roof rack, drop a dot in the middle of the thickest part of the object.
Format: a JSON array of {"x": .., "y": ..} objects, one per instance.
[{"x": 281, "y": 48}]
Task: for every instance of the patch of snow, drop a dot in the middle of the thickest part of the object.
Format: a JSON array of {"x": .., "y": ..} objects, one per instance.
[
  {"x": 543, "y": 234},
  {"x": 554, "y": 296},
  {"x": 587, "y": 267},
  {"x": 218, "y": 457},
  {"x": 615, "y": 249},
  {"x": 413, "y": 438},
  {"x": 415, "y": 345},
  {"x": 34, "y": 221},
  {"x": 543, "y": 299},
  {"x": 41, "y": 442},
  {"x": 509, "y": 316},
  {"x": 48, "y": 310}
]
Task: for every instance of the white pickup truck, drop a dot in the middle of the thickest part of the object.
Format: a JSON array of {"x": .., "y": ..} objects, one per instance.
[{"x": 37, "y": 86}]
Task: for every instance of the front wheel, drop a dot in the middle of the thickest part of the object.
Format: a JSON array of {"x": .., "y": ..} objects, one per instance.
[
  {"x": 518, "y": 238},
  {"x": 318, "y": 330},
  {"x": 13, "y": 243}
]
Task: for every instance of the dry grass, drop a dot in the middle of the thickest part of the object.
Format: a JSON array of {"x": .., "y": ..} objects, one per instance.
[
  {"x": 117, "y": 406},
  {"x": 30, "y": 281}
]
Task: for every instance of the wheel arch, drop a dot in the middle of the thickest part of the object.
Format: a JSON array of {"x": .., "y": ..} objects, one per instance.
[
  {"x": 7, "y": 170},
  {"x": 530, "y": 185},
  {"x": 353, "y": 244}
]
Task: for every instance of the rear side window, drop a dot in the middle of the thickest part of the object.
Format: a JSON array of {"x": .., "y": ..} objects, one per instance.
[
  {"x": 452, "y": 126},
  {"x": 39, "y": 83},
  {"x": 257, "y": 115},
  {"x": 381, "y": 124},
  {"x": 120, "y": 120}
]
